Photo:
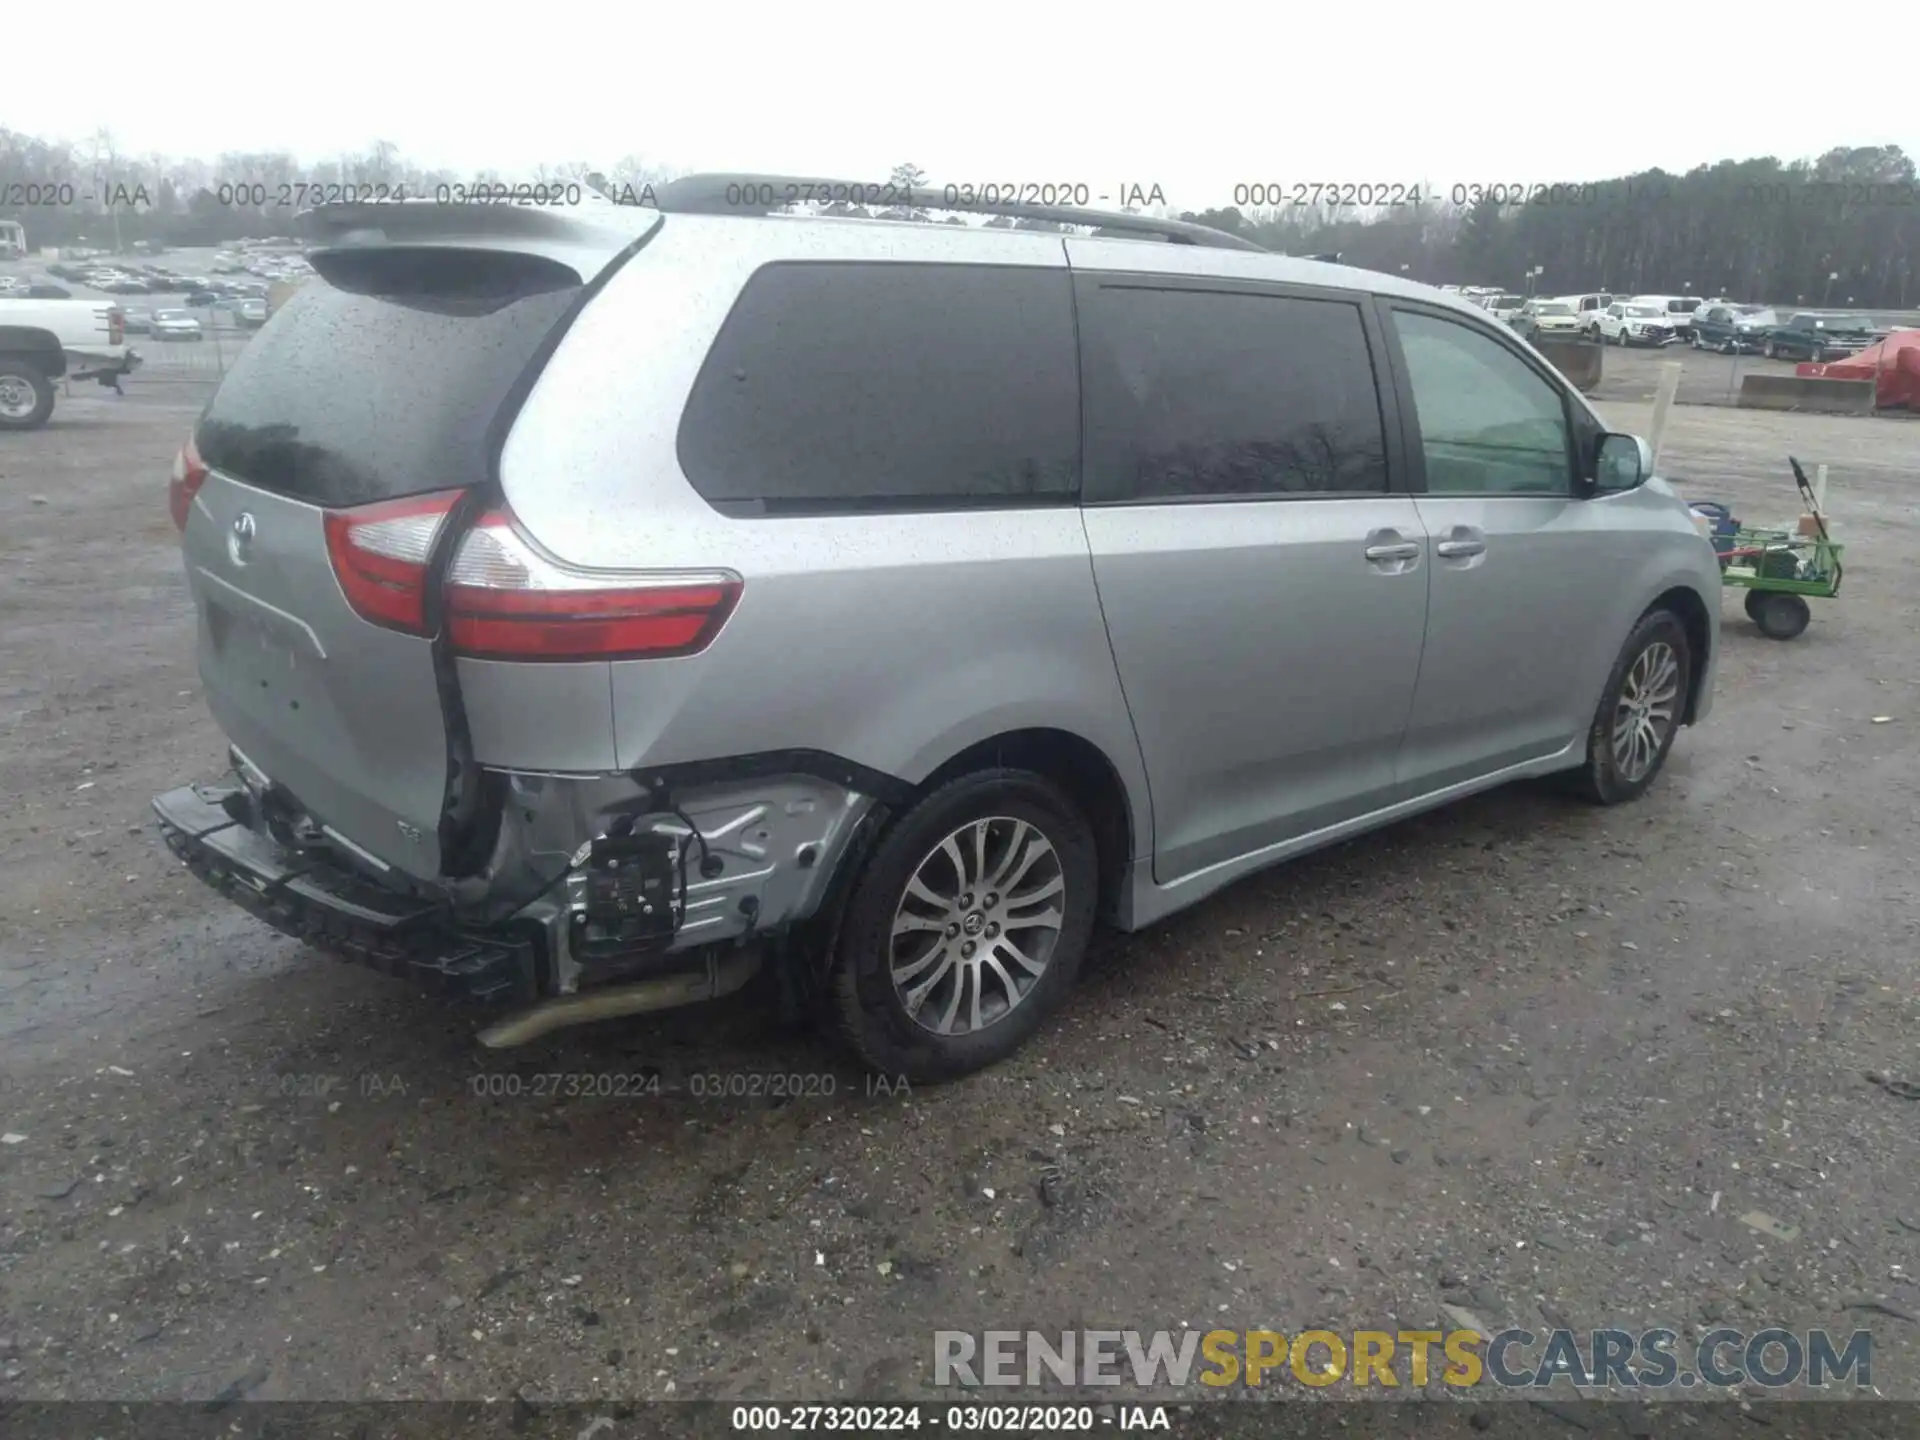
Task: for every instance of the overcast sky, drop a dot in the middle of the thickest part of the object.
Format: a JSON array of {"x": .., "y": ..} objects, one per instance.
[{"x": 1195, "y": 97}]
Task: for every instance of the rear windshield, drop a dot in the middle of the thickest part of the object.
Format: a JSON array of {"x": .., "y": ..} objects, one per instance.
[{"x": 383, "y": 379}]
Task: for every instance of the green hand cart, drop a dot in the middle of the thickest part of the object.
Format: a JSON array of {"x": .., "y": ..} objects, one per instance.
[{"x": 1777, "y": 568}]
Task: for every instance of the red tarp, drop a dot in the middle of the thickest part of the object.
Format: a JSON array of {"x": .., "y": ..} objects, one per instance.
[{"x": 1895, "y": 361}]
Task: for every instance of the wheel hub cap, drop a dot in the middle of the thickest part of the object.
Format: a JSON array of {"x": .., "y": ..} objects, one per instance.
[
  {"x": 16, "y": 396},
  {"x": 975, "y": 928},
  {"x": 1643, "y": 715}
]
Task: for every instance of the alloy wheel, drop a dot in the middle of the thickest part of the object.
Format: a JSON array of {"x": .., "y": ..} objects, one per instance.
[
  {"x": 1644, "y": 713},
  {"x": 975, "y": 930},
  {"x": 17, "y": 399}
]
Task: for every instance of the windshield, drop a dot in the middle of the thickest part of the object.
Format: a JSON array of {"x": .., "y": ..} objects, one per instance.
[
  {"x": 1508, "y": 302},
  {"x": 1644, "y": 312},
  {"x": 1553, "y": 309}
]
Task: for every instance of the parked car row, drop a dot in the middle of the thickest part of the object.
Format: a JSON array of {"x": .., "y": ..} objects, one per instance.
[
  {"x": 126, "y": 279},
  {"x": 1728, "y": 326},
  {"x": 268, "y": 266}
]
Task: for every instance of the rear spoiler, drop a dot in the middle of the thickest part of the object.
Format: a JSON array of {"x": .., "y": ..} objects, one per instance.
[{"x": 583, "y": 237}]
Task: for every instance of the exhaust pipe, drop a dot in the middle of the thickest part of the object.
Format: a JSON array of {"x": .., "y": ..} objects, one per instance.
[{"x": 722, "y": 976}]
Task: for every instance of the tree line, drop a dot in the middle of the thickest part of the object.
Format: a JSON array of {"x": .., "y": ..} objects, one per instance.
[{"x": 1840, "y": 229}]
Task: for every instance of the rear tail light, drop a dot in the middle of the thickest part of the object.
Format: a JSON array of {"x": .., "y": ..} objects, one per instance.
[
  {"x": 379, "y": 554},
  {"x": 189, "y": 474},
  {"x": 505, "y": 600},
  {"x": 116, "y": 326}
]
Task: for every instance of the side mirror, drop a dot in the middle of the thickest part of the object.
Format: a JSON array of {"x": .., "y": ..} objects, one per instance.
[{"x": 1620, "y": 462}]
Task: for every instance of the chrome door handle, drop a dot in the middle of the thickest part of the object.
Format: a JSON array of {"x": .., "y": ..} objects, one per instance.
[
  {"x": 1459, "y": 549},
  {"x": 1406, "y": 550}
]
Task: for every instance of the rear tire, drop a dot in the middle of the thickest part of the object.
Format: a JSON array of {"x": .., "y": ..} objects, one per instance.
[
  {"x": 26, "y": 395},
  {"x": 1639, "y": 714},
  {"x": 1780, "y": 616},
  {"x": 902, "y": 993}
]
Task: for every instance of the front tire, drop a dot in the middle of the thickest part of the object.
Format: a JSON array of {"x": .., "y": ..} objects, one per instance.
[
  {"x": 1639, "y": 714},
  {"x": 966, "y": 927},
  {"x": 26, "y": 396}
]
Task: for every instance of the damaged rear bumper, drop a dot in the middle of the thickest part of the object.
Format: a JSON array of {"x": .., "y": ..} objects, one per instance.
[
  {"x": 736, "y": 857},
  {"x": 312, "y": 898}
]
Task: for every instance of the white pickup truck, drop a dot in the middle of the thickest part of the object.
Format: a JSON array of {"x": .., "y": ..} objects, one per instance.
[{"x": 41, "y": 340}]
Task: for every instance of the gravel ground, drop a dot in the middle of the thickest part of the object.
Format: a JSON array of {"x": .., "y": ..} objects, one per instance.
[{"x": 1531, "y": 1060}]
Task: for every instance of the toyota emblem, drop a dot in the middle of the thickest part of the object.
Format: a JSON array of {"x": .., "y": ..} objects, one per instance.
[{"x": 240, "y": 540}]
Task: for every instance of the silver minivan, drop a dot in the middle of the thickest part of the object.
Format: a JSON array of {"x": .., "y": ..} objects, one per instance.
[{"x": 609, "y": 604}]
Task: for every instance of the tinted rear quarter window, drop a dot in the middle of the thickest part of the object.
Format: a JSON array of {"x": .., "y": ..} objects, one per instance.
[
  {"x": 384, "y": 378},
  {"x": 1232, "y": 394},
  {"x": 839, "y": 386}
]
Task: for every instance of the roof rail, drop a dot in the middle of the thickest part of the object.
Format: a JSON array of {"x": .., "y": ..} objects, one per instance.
[{"x": 727, "y": 194}]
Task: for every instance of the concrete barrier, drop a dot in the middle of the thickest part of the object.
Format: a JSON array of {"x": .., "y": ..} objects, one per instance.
[
  {"x": 1806, "y": 392},
  {"x": 1578, "y": 360}
]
